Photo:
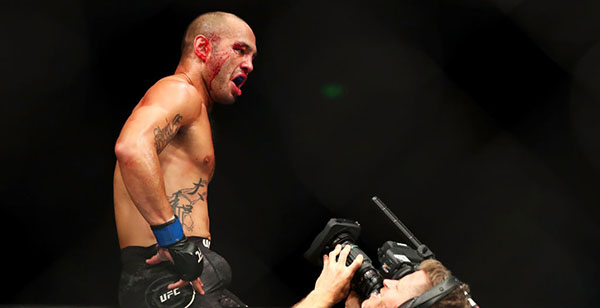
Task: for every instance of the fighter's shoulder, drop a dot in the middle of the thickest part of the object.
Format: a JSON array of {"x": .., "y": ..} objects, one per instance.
[
  {"x": 172, "y": 92},
  {"x": 174, "y": 87}
]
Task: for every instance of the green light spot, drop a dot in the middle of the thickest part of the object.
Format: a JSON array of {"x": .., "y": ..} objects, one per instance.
[{"x": 332, "y": 90}]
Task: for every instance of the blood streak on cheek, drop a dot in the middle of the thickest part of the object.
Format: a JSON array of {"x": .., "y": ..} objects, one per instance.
[{"x": 215, "y": 68}]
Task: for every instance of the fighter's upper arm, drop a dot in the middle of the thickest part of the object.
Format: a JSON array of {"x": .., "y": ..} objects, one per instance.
[{"x": 165, "y": 108}]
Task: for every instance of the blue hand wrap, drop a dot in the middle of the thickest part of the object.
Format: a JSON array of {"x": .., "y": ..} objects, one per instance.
[{"x": 168, "y": 233}]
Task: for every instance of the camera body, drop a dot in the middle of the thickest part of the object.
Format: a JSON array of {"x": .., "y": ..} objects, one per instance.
[{"x": 398, "y": 259}]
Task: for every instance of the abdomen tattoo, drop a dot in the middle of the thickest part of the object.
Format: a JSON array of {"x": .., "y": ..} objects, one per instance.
[{"x": 183, "y": 200}]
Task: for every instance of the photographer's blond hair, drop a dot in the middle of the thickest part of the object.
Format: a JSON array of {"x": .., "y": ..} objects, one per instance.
[{"x": 437, "y": 273}]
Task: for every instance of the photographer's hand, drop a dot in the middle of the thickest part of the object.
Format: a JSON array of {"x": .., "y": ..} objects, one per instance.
[
  {"x": 353, "y": 300},
  {"x": 334, "y": 282}
]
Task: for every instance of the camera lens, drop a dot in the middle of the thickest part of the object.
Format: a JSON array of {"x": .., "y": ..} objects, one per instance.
[{"x": 367, "y": 279}]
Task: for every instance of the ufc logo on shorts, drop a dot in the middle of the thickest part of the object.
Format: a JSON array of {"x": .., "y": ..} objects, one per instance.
[{"x": 165, "y": 297}]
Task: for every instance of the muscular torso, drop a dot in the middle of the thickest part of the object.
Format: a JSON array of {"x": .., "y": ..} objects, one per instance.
[{"x": 187, "y": 164}]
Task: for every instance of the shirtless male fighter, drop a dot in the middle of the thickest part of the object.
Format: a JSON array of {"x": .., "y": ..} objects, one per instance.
[{"x": 165, "y": 160}]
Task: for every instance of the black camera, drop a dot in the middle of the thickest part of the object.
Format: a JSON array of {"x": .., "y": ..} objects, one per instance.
[
  {"x": 340, "y": 231},
  {"x": 397, "y": 259}
]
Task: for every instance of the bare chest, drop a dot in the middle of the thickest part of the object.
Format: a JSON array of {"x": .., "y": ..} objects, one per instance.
[{"x": 189, "y": 154}]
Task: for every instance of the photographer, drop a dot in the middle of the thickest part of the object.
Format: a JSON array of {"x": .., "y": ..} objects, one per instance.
[{"x": 333, "y": 285}]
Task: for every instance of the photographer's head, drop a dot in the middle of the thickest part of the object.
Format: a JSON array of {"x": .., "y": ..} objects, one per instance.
[
  {"x": 437, "y": 273},
  {"x": 431, "y": 272}
]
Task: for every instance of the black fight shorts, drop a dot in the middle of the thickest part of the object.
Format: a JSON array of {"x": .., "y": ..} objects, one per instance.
[{"x": 143, "y": 285}]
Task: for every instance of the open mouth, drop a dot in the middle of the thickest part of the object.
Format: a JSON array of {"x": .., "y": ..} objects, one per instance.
[{"x": 239, "y": 81}]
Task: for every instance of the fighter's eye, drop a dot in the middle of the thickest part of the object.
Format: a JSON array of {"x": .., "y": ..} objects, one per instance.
[{"x": 240, "y": 50}]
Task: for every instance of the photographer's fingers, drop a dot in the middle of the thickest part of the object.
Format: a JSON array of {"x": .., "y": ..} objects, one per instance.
[
  {"x": 356, "y": 263},
  {"x": 325, "y": 260},
  {"x": 334, "y": 253},
  {"x": 344, "y": 254}
]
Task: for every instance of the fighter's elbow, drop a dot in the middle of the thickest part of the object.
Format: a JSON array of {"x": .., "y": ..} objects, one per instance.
[{"x": 127, "y": 150}]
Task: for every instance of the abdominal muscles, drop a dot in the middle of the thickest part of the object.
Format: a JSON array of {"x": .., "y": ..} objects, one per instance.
[{"x": 186, "y": 186}]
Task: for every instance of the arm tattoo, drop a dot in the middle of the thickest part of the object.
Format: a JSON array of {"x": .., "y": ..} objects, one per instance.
[
  {"x": 162, "y": 136},
  {"x": 183, "y": 200}
]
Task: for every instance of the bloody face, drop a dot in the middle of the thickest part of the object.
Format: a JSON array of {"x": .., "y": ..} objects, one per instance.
[{"x": 230, "y": 62}]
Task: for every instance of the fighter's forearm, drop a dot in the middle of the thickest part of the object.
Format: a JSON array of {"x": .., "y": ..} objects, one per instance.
[{"x": 142, "y": 176}]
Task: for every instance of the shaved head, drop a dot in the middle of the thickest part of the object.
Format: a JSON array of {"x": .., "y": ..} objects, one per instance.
[
  {"x": 212, "y": 25},
  {"x": 218, "y": 50}
]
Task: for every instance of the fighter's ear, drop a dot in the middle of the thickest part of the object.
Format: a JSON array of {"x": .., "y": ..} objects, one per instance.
[{"x": 202, "y": 47}]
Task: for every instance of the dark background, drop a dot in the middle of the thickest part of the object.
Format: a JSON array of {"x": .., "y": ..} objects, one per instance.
[{"x": 474, "y": 120}]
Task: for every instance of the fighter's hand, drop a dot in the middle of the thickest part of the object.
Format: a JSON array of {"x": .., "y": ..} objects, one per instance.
[
  {"x": 164, "y": 255},
  {"x": 334, "y": 281},
  {"x": 161, "y": 255}
]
